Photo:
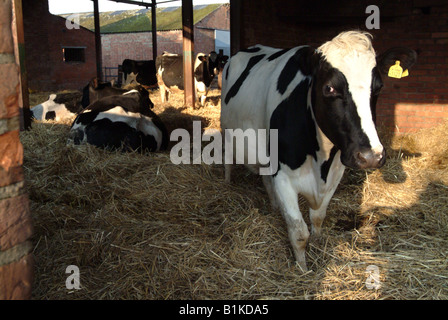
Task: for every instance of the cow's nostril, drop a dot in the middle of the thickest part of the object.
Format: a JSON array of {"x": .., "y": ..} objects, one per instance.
[
  {"x": 369, "y": 159},
  {"x": 362, "y": 159}
]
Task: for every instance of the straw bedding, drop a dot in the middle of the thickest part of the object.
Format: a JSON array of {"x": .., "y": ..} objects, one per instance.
[{"x": 140, "y": 227}]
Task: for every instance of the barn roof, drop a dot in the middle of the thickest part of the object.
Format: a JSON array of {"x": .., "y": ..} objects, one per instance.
[{"x": 139, "y": 20}]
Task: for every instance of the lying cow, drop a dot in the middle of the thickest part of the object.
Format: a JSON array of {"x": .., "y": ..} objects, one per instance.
[
  {"x": 58, "y": 107},
  {"x": 96, "y": 90},
  {"x": 320, "y": 101},
  {"x": 122, "y": 122},
  {"x": 170, "y": 73},
  {"x": 139, "y": 72}
]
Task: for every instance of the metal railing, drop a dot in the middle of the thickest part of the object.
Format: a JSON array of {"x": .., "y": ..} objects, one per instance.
[{"x": 112, "y": 73}]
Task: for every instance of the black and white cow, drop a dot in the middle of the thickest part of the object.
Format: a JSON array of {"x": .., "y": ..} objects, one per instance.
[
  {"x": 142, "y": 72},
  {"x": 320, "y": 101},
  {"x": 58, "y": 107},
  {"x": 170, "y": 73},
  {"x": 121, "y": 122},
  {"x": 96, "y": 90}
]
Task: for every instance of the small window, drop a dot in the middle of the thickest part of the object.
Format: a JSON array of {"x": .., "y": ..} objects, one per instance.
[{"x": 74, "y": 54}]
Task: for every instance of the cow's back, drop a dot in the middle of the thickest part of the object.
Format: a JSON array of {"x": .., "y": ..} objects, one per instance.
[
  {"x": 169, "y": 69},
  {"x": 250, "y": 91}
]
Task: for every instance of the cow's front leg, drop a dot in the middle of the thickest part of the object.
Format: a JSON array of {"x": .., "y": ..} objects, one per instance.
[
  {"x": 269, "y": 186},
  {"x": 162, "y": 89},
  {"x": 317, "y": 215},
  {"x": 288, "y": 203},
  {"x": 317, "y": 218}
]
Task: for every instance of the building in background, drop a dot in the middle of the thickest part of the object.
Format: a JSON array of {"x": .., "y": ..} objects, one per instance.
[
  {"x": 57, "y": 58},
  {"x": 127, "y": 34}
]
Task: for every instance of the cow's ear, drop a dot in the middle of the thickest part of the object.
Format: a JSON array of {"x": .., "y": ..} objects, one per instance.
[
  {"x": 406, "y": 56},
  {"x": 308, "y": 60},
  {"x": 213, "y": 56}
]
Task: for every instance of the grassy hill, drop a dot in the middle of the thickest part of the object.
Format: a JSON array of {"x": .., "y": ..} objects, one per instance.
[{"x": 138, "y": 20}]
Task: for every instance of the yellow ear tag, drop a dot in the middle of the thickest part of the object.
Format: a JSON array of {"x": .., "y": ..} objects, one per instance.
[
  {"x": 405, "y": 73},
  {"x": 395, "y": 71}
]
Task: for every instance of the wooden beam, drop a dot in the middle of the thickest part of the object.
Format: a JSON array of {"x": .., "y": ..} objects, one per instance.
[
  {"x": 96, "y": 15},
  {"x": 235, "y": 26},
  {"x": 25, "y": 114},
  {"x": 188, "y": 52},
  {"x": 154, "y": 30},
  {"x": 137, "y": 3}
]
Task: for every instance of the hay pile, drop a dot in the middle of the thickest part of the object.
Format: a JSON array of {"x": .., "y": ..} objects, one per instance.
[{"x": 139, "y": 227}]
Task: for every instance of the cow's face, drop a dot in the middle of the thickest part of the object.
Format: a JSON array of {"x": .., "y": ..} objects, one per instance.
[
  {"x": 208, "y": 66},
  {"x": 346, "y": 86}
]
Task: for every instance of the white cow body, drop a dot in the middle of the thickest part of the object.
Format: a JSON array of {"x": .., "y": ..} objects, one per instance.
[{"x": 321, "y": 103}]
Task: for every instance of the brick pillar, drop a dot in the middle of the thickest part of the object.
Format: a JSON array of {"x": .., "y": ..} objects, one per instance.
[{"x": 16, "y": 261}]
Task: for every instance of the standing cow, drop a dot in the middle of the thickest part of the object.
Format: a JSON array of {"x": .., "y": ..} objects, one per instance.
[
  {"x": 321, "y": 103},
  {"x": 170, "y": 73}
]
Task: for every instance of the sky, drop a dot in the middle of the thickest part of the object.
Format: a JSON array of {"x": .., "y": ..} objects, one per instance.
[{"x": 70, "y": 6}]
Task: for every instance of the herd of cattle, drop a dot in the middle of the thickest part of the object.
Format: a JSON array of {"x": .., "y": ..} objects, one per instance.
[
  {"x": 118, "y": 118},
  {"x": 321, "y": 101}
]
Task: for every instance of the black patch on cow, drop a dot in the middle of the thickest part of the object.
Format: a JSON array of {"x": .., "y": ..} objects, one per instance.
[
  {"x": 251, "y": 50},
  {"x": 50, "y": 115},
  {"x": 77, "y": 136},
  {"x": 238, "y": 83},
  {"x": 145, "y": 70},
  {"x": 71, "y": 100},
  {"x": 85, "y": 101},
  {"x": 375, "y": 89},
  {"x": 277, "y": 54},
  {"x": 118, "y": 135},
  {"x": 325, "y": 167},
  {"x": 298, "y": 62},
  {"x": 296, "y": 128},
  {"x": 86, "y": 118}
]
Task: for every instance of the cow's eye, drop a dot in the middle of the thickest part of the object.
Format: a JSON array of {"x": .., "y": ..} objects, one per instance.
[{"x": 330, "y": 91}]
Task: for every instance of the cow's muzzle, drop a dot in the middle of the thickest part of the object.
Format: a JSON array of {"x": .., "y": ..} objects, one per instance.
[{"x": 370, "y": 159}]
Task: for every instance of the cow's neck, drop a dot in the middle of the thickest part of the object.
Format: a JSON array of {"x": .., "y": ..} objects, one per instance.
[{"x": 327, "y": 157}]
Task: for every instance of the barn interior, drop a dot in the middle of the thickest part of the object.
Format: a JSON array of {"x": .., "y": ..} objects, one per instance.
[{"x": 140, "y": 227}]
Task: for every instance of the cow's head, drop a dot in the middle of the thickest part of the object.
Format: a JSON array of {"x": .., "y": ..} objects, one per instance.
[
  {"x": 346, "y": 85},
  {"x": 145, "y": 101},
  {"x": 208, "y": 66}
]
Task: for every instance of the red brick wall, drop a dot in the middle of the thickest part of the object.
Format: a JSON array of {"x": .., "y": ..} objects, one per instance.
[
  {"x": 16, "y": 259},
  {"x": 45, "y": 35},
  {"x": 417, "y": 101},
  {"x": 137, "y": 46}
]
